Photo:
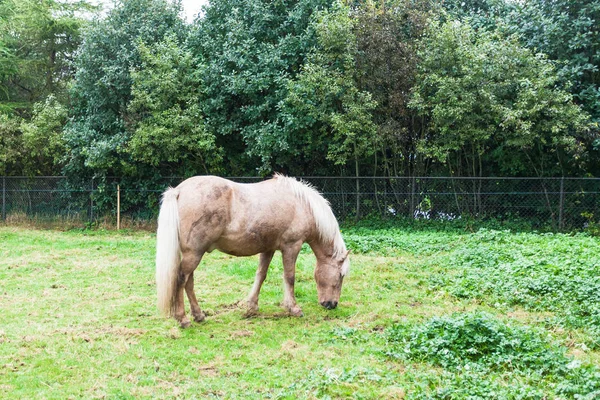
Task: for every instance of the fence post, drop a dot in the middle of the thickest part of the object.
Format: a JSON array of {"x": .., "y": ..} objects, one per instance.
[
  {"x": 118, "y": 207},
  {"x": 92, "y": 202},
  {"x": 412, "y": 182},
  {"x": 357, "y": 198},
  {"x": 3, "y": 198},
  {"x": 561, "y": 222}
]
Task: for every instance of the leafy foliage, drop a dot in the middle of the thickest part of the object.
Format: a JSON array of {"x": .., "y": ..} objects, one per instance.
[
  {"x": 42, "y": 137},
  {"x": 565, "y": 31},
  {"x": 251, "y": 49},
  {"x": 387, "y": 34},
  {"x": 478, "y": 340},
  {"x": 97, "y": 135},
  {"x": 304, "y": 87},
  {"x": 481, "y": 14},
  {"x": 541, "y": 273},
  {"x": 324, "y": 101},
  {"x": 37, "y": 41},
  {"x": 487, "y": 95},
  {"x": 546, "y": 273},
  {"x": 167, "y": 122},
  {"x": 484, "y": 351},
  {"x": 11, "y": 145}
]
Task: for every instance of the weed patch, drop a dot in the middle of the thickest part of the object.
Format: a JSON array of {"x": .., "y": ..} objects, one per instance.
[
  {"x": 484, "y": 357},
  {"x": 549, "y": 272}
]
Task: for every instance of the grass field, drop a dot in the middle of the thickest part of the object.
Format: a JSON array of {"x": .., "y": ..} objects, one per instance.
[{"x": 423, "y": 314}]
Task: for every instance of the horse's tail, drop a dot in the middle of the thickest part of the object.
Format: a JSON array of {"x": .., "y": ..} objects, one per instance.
[{"x": 167, "y": 251}]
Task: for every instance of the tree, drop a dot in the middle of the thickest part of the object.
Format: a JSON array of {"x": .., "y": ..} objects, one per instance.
[
  {"x": 37, "y": 42},
  {"x": 324, "y": 108},
  {"x": 386, "y": 58},
  {"x": 97, "y": 135},
  {"x": 43, "y": 143},
  {"x": 492, "y": 102},
  {"x": 166, "y": 117},
  {"x": 567, "y": 32},
  {"x": 250, "y": 50},
  {"x": 480, "y": 14},
  {"x": 11, "y": 145}
]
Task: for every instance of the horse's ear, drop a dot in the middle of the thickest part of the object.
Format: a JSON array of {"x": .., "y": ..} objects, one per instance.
[{"x": 347, "y": 253}]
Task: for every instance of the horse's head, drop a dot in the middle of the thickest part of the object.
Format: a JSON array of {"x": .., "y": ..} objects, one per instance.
[{"x": 329, "y": 275}]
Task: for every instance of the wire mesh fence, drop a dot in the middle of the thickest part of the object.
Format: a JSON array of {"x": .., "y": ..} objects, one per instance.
[{"x": 557, "y": 203}]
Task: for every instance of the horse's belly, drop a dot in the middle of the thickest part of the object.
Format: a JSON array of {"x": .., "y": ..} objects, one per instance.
[{"x": 246, "y": 245}]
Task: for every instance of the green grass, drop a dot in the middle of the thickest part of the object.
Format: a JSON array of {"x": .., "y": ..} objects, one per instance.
[{"x": 423, "y": 314}]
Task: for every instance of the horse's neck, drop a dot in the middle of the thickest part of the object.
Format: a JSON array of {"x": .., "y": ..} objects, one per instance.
[{"x": 323, "y": 249}]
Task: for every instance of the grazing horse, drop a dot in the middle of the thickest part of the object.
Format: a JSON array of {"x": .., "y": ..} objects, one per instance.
[{"x": 205, "y": 213}]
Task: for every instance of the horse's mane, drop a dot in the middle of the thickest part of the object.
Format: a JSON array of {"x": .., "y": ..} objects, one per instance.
[{"x": 326, "y": 223}]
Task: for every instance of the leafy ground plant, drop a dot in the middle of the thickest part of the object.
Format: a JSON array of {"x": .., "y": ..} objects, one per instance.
[
  {"x": 480, "y": 354},
  {"x": 541, "y": 272}
]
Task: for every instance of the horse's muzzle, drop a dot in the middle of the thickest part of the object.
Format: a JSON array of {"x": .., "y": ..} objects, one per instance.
[{"x": 330, "y": 305}]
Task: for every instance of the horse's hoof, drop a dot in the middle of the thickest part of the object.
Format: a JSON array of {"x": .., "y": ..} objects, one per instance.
[
  {"x": 199, "y": 317},
  {"x": 185, "y": 323},
  {"x": 251, "y": 310},
  {"x": 296, "y": 312}
]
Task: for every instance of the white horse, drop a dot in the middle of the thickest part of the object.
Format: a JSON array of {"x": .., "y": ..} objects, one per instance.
[{"x": 205, "y": 213}]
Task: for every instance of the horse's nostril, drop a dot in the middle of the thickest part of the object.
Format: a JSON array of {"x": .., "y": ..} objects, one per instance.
[{"x": 330, "y": 305}]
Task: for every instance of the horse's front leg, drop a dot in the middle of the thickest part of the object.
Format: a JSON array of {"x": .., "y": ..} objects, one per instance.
[
  {"x": 290, "y": 255},
  {"x": 261, "y": 274}
]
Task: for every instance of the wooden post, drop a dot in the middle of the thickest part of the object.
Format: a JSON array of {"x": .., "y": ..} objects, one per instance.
[{"x": 118, "y": 207}]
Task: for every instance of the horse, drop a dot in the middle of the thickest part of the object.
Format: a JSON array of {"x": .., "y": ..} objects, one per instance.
[{"x": 206, "y": 213}]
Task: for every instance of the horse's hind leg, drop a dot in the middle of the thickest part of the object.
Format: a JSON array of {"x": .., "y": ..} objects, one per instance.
[
  {"x": 189, "y": 289},
  {"x": 261, "y": 274},
  {"x": 189, "y": 262}
]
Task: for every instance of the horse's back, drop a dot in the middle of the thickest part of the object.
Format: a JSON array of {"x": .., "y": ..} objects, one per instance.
[{"x": 239, "y": 219}]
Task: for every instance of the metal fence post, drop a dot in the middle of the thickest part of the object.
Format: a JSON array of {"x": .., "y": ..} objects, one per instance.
[
  {"x": 357, "y": 198},
  {"x": 3, "y": 198},
  {"x": 412, "y": 182},
  {"x": 561, "y": 222},
  {"x": 118, "y": 207},
  {"x": 92, "y": 202}
]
